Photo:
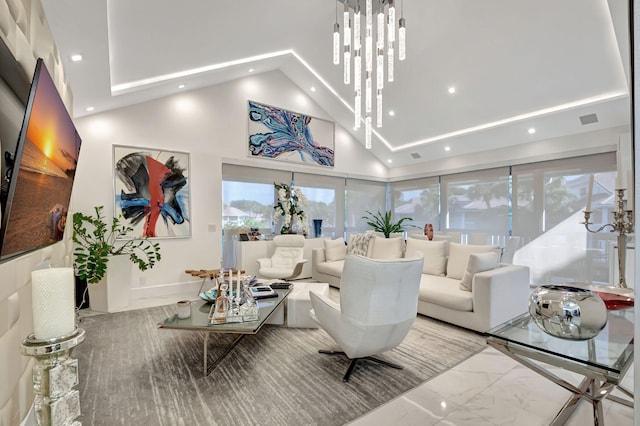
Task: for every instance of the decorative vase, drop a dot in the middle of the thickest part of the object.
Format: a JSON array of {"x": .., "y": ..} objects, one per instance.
[
  {"x": 568, "y": 312},
  {"x": 112, "y": 293},
  {"x": 317, "y": 227}
]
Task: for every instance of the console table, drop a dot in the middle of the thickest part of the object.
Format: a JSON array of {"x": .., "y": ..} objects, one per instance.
[{"x": 602, "y": 360}]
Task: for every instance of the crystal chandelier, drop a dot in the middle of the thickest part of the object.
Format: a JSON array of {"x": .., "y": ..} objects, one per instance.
[{"x": 352, "y": 46}]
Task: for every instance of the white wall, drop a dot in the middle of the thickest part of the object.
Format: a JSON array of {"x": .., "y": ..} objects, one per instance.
[{"x": 212, "y": 125}]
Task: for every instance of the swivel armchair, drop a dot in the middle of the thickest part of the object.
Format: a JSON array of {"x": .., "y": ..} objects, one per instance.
[
  {"x": 378, "y": 304},
  {"x": 287, "y": 259}
]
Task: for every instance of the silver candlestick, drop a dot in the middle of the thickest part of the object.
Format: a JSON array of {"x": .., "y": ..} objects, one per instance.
[{"x": 623, "y": 225}]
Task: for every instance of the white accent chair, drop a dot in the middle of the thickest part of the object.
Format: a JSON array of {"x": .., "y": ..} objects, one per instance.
[
  {"x": 378, "y": 304},
  {"x": 287, "y": 259}
]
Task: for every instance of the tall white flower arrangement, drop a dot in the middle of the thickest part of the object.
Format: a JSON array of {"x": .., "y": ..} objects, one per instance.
[{"x": 290, "y": 206}]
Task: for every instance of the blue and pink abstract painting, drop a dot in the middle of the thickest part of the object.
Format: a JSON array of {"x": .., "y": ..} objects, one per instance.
[
  {"x": 290, "y": 136},
  {"x": 152, "y": 191}
]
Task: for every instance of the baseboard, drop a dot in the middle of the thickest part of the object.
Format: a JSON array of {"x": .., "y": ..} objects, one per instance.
[{"x": 165, "y": 290}]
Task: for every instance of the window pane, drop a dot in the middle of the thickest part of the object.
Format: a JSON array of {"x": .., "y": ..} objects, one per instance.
[
  {"x": 551, "y": 198},
  {"x": 478, "y": 205},
  {"x": 325, "y": 201},
  {"x": 418, "y": 199},
  {"x": 363, "y": 196}
]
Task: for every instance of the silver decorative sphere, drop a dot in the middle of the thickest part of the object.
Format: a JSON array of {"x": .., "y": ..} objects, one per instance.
[{"x": 568, "y": 312}]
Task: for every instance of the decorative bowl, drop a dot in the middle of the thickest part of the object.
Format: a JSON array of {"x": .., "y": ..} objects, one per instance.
[
  {"x": 568, "y": 312},
  {"x": 209, "y": 295}
]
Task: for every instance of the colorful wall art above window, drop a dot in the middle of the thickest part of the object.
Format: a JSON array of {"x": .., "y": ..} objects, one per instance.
[
  {"x": 290, "y": 136},
  {"x": 152, "y": 191}
]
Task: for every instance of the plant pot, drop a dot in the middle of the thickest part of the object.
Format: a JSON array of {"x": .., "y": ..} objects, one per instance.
[{"x": 112, "y": 293}]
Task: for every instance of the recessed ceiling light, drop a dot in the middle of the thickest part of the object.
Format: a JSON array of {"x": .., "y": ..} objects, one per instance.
[
  {"x": 447, "y": 148},
  {"x": 392, "y": 113},
  {"x": 389, "y": 160},
  {"x": 313, "y": 89},
  {"x": 181, "y": 86},
  {"x": 531, "y": 131},
  {"x": 251, "y": 70},
  {"x": 451, "y": 90},
  {"x": 76, "y": 58},
  {"x": 89, "y": 109}
]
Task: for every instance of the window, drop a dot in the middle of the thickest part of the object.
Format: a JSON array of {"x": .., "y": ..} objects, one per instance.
[
  {"x": 549, "y": 199},
  {"x": 325, "y": 201},
  {"x": 418, "y": 199},
  {"x": 477, "y": 204},
  {"x": 363, "y": 196}
]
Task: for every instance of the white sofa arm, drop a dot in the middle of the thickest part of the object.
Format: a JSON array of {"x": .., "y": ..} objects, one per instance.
[
  {"x": 501, "y": 294},
  {"x": 264, "y": 262},
  {"x": 318, "y": 256}
]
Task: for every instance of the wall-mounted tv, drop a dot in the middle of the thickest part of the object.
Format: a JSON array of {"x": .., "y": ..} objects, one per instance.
[{"x": 36, "y": 201}]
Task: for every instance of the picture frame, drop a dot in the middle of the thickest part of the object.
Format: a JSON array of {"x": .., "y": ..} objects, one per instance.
[
  {"x": 152, "y": 191},
  {"x": 244, "y": 237},
  {"x": 294, "y": 137}
]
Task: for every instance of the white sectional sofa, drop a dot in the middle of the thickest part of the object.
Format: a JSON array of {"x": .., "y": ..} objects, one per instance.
[{"x": 461, "y": 284}]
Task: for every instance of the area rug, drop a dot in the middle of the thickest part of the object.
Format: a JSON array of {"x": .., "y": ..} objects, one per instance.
[{"x": 133, "y": 373}]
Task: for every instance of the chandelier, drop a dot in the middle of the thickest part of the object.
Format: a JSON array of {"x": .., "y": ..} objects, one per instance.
[{"x": 354, "y": 39}]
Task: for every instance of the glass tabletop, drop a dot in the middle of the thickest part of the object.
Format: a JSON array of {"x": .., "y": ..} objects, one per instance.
[
  {"x": 199, "y": 319},
  {"x": 611, "y": 349}
]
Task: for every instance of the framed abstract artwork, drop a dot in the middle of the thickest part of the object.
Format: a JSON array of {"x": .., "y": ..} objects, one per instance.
[
  {"x": 290, "y": 136},
  {"x": 151, "y": 189}
]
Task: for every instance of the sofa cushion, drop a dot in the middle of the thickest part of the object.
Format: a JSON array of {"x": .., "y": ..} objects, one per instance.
[
  {"x": 331, "y": 268},
  {"x": 387, "y": 248},
  {"x": 444, "y": 291},
  {"x": 334, "y": 249},
  {"x": 434, "y": 252},
  {"x": 459, "y": 256},
  {"x": 359, "y": 244},
  {"x": 478, "y": 262}
]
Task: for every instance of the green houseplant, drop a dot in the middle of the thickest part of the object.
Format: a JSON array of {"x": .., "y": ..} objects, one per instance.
[
  {"x": 381, "y": 222},
  {"x": 96, "y": 241}
]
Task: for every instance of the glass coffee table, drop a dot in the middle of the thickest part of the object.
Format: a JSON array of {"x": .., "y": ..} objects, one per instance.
[
  {"x": 602, "y": 360},
  {"x": 199, "y": 321}
]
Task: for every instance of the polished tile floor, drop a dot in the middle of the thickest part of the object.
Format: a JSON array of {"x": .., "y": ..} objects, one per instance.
[
  {"x": 487, "y": 389},
  {"x": 491, "y": 389}
]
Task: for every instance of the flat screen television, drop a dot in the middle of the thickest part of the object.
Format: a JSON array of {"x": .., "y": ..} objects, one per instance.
[{"x": 36, "y": 201}]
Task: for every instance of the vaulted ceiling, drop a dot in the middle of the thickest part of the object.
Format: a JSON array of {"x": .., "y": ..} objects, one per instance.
[{"x": 516, "y": 65}]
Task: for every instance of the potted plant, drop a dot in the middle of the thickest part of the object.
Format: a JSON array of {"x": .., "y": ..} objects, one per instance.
[
  {"x": 96, "y": 241},
  {"x": 382, "y": 222}
]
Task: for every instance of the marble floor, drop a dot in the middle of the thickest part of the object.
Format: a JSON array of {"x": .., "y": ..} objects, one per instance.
[
  {"x": 487, "y": 389},
  {"x": 491, "y": 389}
]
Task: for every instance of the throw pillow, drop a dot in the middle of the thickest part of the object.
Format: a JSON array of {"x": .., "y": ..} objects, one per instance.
[
  {"x": 387, "y": 248},
  {"x": 459, "y": 257},
  {"x": 359, "y": 244},
  {"x": 334, "y": 249},
  {"x": 478, "y": 262},
  {"x": 434, "y": 252}
]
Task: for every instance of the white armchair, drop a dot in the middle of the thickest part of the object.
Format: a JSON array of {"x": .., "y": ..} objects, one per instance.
[
  {"x": 287, "y": 259},
  {"x": 378, "y": 304}
]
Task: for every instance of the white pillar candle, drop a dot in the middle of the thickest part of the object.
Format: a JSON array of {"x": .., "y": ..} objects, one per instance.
[
  {"x": 589, "y": 194},
  {"x": 619, "y": 184},
  {"x": 53, "y": 292},
  {"x": 630, "y": 189}
]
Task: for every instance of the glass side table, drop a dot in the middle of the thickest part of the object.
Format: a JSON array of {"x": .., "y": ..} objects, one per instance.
[
  {"x": 602, "y": 360},
  {"x": 54, "y": 376}
]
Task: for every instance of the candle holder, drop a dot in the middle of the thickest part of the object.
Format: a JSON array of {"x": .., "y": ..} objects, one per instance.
[
  {"x": 55, "y": 374},
  {"x": 623, "y": 225}
]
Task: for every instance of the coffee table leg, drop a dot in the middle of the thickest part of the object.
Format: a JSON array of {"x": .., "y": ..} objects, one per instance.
[{"x": 221, "y": 356}]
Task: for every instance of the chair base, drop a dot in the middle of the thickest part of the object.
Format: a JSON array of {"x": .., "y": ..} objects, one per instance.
[{"x": 352, "y": 365}]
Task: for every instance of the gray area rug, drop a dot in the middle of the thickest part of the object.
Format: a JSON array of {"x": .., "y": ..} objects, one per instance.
[{"x": 132, "y": 373}]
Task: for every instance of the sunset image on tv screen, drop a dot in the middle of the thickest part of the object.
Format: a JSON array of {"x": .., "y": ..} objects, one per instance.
[{"x": 46, "y": 162}]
